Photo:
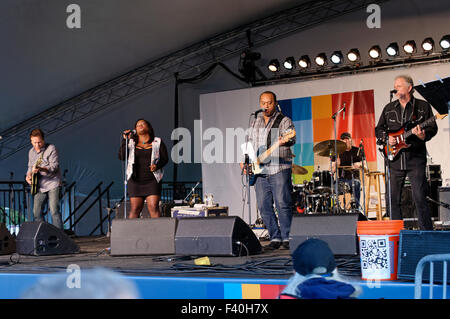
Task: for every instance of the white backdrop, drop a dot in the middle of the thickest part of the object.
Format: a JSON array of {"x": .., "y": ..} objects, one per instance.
[{"x": 232, "y": 109}]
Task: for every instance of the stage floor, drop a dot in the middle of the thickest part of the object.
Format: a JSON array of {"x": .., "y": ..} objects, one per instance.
[
  {"x": 261, "y": 276},
  {"x": 94, "y": 252}
]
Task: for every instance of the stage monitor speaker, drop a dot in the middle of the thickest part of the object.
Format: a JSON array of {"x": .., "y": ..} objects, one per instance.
[
  {"x": 42, "y": 239},
  {"x": 415, "y": 244},
  {"x": 7, "y": 241},
  {"x": 215, "y": 236},
  {"x": 143, "y": 236},
  {"x": 444, "y": 213},
  {"x": 337, "y": 230}
]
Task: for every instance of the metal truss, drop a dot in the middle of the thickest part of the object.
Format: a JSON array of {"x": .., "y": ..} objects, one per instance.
[{"x": 186, "y": 61}]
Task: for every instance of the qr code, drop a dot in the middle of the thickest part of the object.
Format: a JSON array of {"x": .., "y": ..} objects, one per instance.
[{"x": 374, "y": 253}]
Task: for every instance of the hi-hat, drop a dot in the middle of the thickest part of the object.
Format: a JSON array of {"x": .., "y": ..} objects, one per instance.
[
  {"x": 326, "y": 148},
  {"x": 299, "y": 170}
]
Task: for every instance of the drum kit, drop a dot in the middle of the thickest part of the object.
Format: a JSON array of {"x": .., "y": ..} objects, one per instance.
[{"x": 320, "y": 194}]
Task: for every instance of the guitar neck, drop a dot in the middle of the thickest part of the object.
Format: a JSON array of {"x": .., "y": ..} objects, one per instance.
[
  {"x": 261, "y": 158},
  {"x": 421, "y": 125}
]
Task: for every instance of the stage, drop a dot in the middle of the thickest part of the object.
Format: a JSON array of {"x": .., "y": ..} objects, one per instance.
[{"x": 260, "y": 276}]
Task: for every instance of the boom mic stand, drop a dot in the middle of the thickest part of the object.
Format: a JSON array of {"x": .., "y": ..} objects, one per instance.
[{"x": 334, "y": 190}]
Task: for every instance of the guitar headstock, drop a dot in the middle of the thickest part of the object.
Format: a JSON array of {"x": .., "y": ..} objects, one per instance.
[
  {"x": 441, "y": 116},
  {"x": 289, "y": 134}
]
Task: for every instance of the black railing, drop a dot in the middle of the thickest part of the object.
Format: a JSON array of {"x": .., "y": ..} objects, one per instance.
[
  {"x": 98, "y": 200},
  {"x": 15, "y": 204},
  {"x": 180, "y": 190}
]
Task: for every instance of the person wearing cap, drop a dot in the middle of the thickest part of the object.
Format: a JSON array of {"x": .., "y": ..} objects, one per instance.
[
  {"x": 351, "y": 157},
  {"x": 316, "y": 275}
]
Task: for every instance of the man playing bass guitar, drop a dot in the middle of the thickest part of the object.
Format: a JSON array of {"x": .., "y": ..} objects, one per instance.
[
  {"x": 408, "y": 112},
  {"x": 274, "y": 184}
]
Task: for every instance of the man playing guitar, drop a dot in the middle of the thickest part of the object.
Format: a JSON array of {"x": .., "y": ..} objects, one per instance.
[
  {"x": 411, "y": 161},
  {"x": 44, "y": 176},
  {"x": 274, "y": 184}
]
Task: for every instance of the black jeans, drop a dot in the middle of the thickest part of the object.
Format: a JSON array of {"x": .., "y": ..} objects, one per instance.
[{"x": 420, "y": 190}]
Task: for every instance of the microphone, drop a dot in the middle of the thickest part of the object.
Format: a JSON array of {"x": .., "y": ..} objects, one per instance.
[
  {"x": 132, "y": 132},
  {"x": 393, "y": 91},
  {"x": 343, "y": 117},
  {"x": 360, "y": 148},
  {"x": 257, "y": 112}
]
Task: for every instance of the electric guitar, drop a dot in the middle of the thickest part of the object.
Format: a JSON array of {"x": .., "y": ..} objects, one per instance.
[
  {"x": 35, "y": 177},
  {"x": 391, "y": 151},
  {"x": 257, "y": 166}
]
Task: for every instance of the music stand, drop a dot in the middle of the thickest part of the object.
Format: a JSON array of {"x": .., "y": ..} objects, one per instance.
[{"x": 437, "y": 93}]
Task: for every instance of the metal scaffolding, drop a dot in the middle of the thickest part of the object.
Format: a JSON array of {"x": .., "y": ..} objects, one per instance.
[{"x": 183, "y": 62}]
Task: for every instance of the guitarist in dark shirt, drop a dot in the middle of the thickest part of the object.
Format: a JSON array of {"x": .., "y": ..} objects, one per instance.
[{"x": 408, "y": 112}]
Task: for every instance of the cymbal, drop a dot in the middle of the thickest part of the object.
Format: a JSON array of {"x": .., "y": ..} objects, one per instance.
[
  {"x": 326, "y": 148},
  {"x": 299, "y": 170}
]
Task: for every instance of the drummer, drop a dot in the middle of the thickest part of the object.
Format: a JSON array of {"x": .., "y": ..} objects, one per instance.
[{"x": 349, "y": 162}]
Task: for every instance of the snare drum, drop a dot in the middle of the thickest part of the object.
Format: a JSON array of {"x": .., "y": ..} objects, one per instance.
[{"x": 322, "y": 181}]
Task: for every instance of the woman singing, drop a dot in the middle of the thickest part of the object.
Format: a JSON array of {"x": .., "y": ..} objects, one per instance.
[{"x": 147, "y": 155}]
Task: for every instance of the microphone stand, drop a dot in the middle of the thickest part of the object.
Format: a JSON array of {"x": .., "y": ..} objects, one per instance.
[
  {"x": 126, "y": 180},
  {"x": 192, "y": 190},
  {"x": 334, "y": 190},
  {"x": 387, "y": 172},
  {"x": 364, "y": 160},
  {"x": 246, "y": 169}
]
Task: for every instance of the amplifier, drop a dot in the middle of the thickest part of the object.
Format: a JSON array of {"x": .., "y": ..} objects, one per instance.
[
  {"x": 444, "y": 213},
  {"x": 199, "y": 211},
  {"x": 415, "y": 244}
]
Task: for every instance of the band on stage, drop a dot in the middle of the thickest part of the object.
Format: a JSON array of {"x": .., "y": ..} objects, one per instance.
[{"x": 402, "y": 130}]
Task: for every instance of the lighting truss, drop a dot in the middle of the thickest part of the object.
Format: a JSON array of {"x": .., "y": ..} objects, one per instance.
[{"x": 186, "y": 61}]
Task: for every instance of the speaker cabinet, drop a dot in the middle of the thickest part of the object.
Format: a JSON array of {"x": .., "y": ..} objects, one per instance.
[
  {"x": 7, "y": 241},
  {"x": 337, "y": 230},
  {"x": 143, "y": 236},
  {"x": 42, "y": 239},
  {"x": 415, "y": 244},
  {"x": 215, "y": 236}
]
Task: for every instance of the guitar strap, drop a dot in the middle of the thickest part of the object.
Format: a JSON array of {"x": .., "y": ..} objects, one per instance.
[{"x": 276, "y": 124}]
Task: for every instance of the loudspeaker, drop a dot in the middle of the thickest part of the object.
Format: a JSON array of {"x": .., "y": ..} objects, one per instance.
[
  {"x": 337, "y": 230},
  {"x": 215, "y": 236},
  {"x": 7, "y": 241},
  {"x": 444, "y": 213},
  {"x": 42, "y": 239},
  {"x": 415, "y": 244},
  {"x": 143, "y": 236}
]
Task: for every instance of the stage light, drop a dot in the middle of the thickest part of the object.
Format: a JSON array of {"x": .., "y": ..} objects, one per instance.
[
  {"x": 353, "y": 55},
  {"x": 274, "y": 65},
  {"x": 304, "y": 62},
  {"x": 289, "y": 63},
  {"x": 445, "y": 42},
  {"x": 410, "y": 47},
  {"x": 337, "y": 57},
  {"x": 375, "y": 52},
  {"x": 428, "y": 45},
  {"x": 321, "y": 59},
  {"x": 392, "y": 49}
]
